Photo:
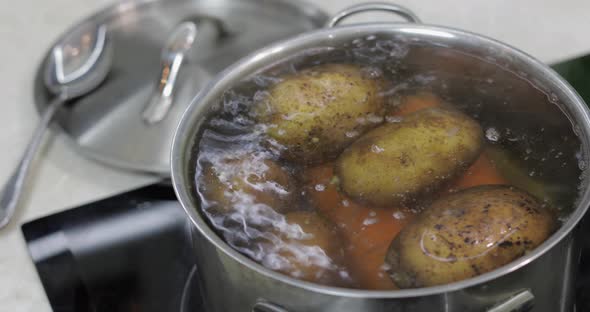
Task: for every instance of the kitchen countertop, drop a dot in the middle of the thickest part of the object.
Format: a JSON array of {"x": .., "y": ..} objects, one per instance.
[{"x": 548, "y": 29}]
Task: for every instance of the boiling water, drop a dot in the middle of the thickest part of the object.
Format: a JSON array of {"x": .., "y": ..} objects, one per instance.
[{"x": 524, "y": 129}]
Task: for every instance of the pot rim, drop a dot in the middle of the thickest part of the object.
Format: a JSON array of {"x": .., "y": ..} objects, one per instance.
[{"x": 184, "y": 136}]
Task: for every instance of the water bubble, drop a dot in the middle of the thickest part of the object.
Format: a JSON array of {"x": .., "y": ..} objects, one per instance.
[
  {"x": 320, "y": 187},
  {"x": 393, "y": 119},
  {"x": 376, "y": 149},
  {"x": 394, "y": 90},
  {"x": 492, "y": 134},
  {"x": 375, "y": 118},
  {"x": 265, "y": 81},
  {"x": 361, "y": 120},
  {"x": 399, "y": 215},
  {"x": 369, "y": 221},
  {"x": 351, "y": 134},
  {"x": 344, "y": 275},
  {"x": 260, "y": 95},
  {"x": 558, "y": 155},
  {"x": 392, "y": 48},
  {"x": 372, "y": 72},
  {"x": 563, "y": 218},
  {"x": 424, "y": 79}
]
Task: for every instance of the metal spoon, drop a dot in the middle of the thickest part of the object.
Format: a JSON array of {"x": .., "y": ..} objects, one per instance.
[{"x": 76, "y": 66}]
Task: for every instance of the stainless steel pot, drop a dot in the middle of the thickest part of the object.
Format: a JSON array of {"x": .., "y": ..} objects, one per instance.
[{"x": 540, "y": 281}]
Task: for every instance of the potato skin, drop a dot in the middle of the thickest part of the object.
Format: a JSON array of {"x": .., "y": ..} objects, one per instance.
[
  {"x": 319, "y": 111},
  {"x": 466, "y": 234},
  {"x": 392, "y": 164},
  {"x": 323, "y": 248},
  {"x": 231, "y": 181}
]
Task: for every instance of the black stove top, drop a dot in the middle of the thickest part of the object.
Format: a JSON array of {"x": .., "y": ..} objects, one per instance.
[{"x": 132, "y": 252}]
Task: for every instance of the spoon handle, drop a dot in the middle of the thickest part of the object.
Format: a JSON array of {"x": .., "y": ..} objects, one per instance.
[{"x": 11, "y": 192}]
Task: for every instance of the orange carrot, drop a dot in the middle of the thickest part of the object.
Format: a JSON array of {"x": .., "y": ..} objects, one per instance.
[
  {"x": 416, "y": 102},
  {"x": 367, "y": 231},
  {"x": 481, "y": 172}
]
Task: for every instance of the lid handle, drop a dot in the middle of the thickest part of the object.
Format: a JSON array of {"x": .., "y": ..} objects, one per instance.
[
  {"x": 175, "y": 51},
  {"x": 373, "y": 6},
  {"x": 173, "y": 55}
]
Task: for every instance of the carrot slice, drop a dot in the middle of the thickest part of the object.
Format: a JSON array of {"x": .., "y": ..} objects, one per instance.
[
  {"x": 416, "y": 102},
  {"x": 481, "y": 172},
  {"x": 367, "y": 231}
]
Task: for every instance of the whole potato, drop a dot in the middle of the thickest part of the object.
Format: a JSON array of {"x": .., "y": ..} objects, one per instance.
[
  {"x": 237, "y": 183},
  {"x": 466, "y": 234},
  {"x": 317, "y": 112},
  {"x": 313, "y": 250},
  {"x": 395, "y": 162}
]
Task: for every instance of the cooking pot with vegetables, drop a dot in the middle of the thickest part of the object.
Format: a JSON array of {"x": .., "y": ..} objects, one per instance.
[{"x": 385, "y": 167}]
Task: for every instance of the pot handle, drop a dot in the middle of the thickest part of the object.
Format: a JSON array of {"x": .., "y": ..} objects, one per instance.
[
  {"x": 265, "y": 306},
  {"x": 373, "y": 6},
  {"x": 521, "y": 302}
]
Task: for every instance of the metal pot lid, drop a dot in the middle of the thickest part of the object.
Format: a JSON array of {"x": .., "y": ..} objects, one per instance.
[{"x": 110, "y": 124}]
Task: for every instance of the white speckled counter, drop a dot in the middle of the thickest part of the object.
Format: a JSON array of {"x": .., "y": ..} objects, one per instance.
[{"x": 548, "y": 29}]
